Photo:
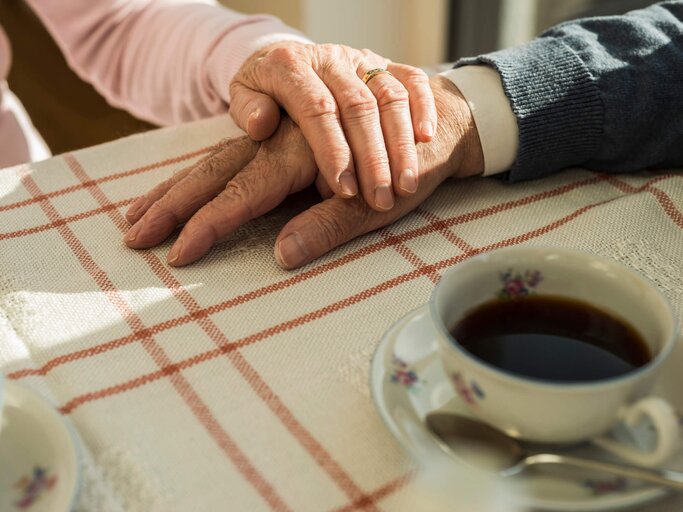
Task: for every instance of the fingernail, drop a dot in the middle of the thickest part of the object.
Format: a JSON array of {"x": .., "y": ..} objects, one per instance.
[
  {"x": 252, "y": 118},
  {"x": 408, "y": 181},
  {"x": 291, "y": 251},
  {"x": 348, "y": 184},
  {"x": 134, "y": 231},
  {"x": 384, "y": 199},
  {"x": 427, "y": 128},
  {"x": 174, "y": 254},
  {"x": 134, "y": 209}
]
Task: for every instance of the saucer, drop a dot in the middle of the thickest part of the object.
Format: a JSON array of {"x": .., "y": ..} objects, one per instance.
[
  {"x": 39, "y": 455},
  {"x": 408, "y": 382}
]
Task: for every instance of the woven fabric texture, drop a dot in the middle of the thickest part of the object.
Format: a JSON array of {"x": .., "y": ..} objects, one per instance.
[{"x": 232, "y": 384}]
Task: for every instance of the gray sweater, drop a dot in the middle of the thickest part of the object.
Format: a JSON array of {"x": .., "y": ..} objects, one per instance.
[{"x": 600, "y": 93}]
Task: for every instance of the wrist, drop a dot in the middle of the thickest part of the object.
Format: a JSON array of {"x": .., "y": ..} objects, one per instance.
[{"x": 455, "y": 149}]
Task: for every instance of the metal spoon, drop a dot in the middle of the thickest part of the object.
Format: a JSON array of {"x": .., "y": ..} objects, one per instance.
[{"x": 459, "y": 436}]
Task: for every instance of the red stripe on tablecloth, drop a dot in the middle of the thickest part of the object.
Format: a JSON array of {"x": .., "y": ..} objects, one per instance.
[
  {"x": 179, "y": 382},
  {"x": 381, "y": 493},
  {"x": 662, "y": 197},
  {"x": 439, "y": 225},
  {"x": 668, "y": 205},
  {"x": 409, "y": 255},
  {"x": 110, "y": 177},
  {"x": 80, "y": 400},
  {"x": 248, "y": 372},
  {"x": 460, "y": 219},
  {"x": 65, "y": 220},
  {"x": 434, "y": 219}
]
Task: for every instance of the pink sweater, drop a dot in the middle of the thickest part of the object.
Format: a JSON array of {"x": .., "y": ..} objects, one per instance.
[{"x": 165, "y": 61}]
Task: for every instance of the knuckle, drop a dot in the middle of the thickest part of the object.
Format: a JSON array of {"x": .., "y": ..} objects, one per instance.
[
  {"x": 281, "y": 55},
  {"x": 415, "y": 76},
  {"x": 237, "y": 196},
  {"x": 336, "y": 226},
  {"x": 320, "y": 106},
  {"x": 357, "y": 103},
  {"x": 211, "y": 168},
  {"x": 326, "y": 66},
  {"x": 324, "y": 57},
  {"x": 163, "y": 210},
  {"x": 376, "y": 164},
  {"x": 404, "y": 149},
  {"x": 392, "y": 95},
  {"x": 235, "y": 192},
  {"x": 329, "y": 48},
  {"x": 330, "y": 228}
]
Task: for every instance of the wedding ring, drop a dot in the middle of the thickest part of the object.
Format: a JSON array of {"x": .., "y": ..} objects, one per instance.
[{"x": 374, "y": 72}]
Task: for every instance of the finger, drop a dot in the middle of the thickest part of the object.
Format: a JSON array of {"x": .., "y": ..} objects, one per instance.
[
  {"x": 250, "y": 194},
  {"x": 291, "y": 81},
  {"x": 323, "y": 188},
  {"x": 361, "y": 121},
  {"x": 256, "y": 113},
  {"x": 323, "y": 227},
  {"x": 397, "y": 128},
  {"x": 142, "y": 204},
  {"x": 190, "y": 193},
  {"x": 422, "y": 106},
  {"x": 335, "y": 221}
]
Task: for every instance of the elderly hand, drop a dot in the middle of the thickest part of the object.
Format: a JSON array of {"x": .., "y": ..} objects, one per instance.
[
  {"x": 236, "y": 184},
  {"x": 358, "y": 132}
]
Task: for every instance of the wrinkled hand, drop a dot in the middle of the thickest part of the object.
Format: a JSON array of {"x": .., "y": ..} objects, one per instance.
[
  {"x": 237, "y": 184},
  {"x": 358, "y": 133}
]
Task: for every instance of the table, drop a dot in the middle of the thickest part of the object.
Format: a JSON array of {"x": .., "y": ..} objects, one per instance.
[{"x": 232, "y": 384}]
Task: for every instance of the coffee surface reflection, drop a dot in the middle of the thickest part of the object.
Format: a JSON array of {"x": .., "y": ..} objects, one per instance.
[{"x": 551, "y": 338}]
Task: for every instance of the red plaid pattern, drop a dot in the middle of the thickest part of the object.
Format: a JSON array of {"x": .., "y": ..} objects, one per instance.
[{"x": 232, "y": 381}]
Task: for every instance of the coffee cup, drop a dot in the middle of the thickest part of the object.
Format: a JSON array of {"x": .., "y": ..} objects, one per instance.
[{"x": 547, "y": 410}]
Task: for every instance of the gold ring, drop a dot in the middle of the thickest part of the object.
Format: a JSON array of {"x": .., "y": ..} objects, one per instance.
[{"x": 373, "y": 73}]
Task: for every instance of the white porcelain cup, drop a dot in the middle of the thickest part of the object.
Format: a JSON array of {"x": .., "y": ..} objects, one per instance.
[{"x": 550, "y": 411}]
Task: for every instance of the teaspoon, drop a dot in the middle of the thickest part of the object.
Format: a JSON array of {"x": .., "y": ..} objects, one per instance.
[{"x": 469, "y": 439}]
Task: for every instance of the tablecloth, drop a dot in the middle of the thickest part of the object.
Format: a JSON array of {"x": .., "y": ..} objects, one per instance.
[{"x": 232, "y": 384}]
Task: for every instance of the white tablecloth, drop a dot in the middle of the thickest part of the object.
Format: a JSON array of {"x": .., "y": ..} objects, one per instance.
[{"x": 232, "y": 384}]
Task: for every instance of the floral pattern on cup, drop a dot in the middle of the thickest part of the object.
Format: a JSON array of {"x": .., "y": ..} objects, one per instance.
[
  {"x": 469, "y": 393},
  {"x": 517, "y": 284},
  {"x": 31, "y": 488},
  {"x": 405, "y": 376},
  {"x": 607, "y": 486}
]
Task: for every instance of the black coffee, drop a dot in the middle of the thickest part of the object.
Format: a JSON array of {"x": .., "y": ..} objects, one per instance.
[{"x": 551, "y": 338}]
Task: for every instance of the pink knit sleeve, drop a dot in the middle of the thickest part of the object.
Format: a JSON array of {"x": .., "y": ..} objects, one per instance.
[{"x": 165, "y": 61}]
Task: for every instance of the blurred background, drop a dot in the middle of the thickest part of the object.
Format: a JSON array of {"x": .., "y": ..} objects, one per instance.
[{"x": 419, "y": 32}]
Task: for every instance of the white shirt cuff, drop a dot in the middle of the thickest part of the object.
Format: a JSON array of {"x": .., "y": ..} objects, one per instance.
[{"x": 497, "y": 126}]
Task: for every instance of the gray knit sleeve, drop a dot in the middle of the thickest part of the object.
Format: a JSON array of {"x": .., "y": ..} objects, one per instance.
[{"x": 601, "y": 93}]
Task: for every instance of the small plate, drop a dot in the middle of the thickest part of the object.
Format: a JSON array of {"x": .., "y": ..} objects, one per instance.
[
  {"x": 408, "y": 382},
  {"x": 39, "y": 455}
]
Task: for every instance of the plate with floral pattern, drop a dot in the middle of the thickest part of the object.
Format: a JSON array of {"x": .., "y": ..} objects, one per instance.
[
  {"x": 407, "y": 382},
  {"x": 39, "y": 455}
]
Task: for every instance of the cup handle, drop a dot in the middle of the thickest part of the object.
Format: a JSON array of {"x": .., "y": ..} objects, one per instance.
[{"x": 665, "y": 422}]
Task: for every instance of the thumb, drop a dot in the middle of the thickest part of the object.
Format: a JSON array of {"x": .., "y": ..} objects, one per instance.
[
  {"x": 256, "y": 113},
  {"x": 323, "y": 227}
]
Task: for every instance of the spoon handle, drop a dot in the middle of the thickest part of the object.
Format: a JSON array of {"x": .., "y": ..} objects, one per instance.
[{"x": 663, "y": 477}]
